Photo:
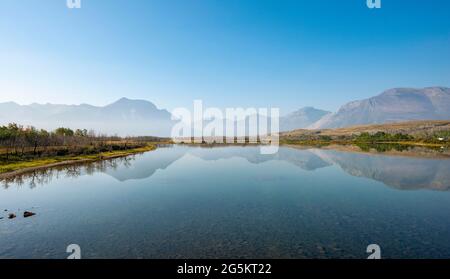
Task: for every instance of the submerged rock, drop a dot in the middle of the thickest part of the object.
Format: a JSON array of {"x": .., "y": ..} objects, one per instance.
[
  {"x": 28, "y": 214},
  {"x": 11, "y": 216}
]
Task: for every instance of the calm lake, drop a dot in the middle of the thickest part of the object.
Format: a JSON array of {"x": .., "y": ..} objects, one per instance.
[{"x": 232, "y": 202}]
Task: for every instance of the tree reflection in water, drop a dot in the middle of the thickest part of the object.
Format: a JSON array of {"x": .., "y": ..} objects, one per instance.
[{"x": 45, "y": 176}]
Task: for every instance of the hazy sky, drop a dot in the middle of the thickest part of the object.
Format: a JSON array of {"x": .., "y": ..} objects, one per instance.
[{"x": 286, "y": 54}]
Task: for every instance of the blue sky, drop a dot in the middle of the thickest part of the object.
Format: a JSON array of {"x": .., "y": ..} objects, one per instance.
[{"x": 229, "y": 53}]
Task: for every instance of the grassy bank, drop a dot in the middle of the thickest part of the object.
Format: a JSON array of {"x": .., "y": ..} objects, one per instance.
[
  {"x": 377, "y": 146},
  {"x": 353, "y": 142},
  {"x": 14, "y": 167}
]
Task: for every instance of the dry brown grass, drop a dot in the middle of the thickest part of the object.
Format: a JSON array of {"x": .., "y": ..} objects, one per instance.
[{"x": 413, "y": 128}]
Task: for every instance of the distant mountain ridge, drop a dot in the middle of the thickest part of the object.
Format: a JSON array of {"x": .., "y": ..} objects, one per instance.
[
  {"x": 301, "y": 118},
  {"x": 394, "y": 105},
  {"x": 123, "y": 117}
]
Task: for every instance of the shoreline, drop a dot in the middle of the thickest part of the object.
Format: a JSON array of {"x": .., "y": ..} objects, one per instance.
[
  {"x": 372, "y": 152},
  {"x": 74, "y": 160}
]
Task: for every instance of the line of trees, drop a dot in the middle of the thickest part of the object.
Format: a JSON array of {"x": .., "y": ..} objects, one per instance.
[{"x": 17, "y": 140}]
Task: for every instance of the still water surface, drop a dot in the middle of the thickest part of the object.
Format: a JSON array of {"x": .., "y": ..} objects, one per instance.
[{"x": 232, "y": 202}]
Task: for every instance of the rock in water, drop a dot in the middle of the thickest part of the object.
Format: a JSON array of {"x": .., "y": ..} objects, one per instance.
[
  {"x": 11, "y": 216},
  {"x": 28, "y": 214}
]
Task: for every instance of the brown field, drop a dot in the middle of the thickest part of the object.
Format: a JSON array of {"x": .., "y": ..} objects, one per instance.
[{"x": 413, "y": 128}]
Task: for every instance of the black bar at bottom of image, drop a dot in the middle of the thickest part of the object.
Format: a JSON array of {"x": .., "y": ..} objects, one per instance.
[{"x": 224, "y": 268}]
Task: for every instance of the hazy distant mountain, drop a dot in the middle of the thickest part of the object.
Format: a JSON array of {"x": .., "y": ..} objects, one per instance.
[
  {"x": 395, "y": 105},
  {"x": 123, "y": 117},
  {"x": 301, "y": 118}
]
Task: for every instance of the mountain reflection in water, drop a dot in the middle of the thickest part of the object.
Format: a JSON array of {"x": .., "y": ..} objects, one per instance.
[{"x": 404, "y": 173}]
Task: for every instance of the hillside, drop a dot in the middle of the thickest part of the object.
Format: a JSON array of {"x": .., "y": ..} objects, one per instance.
[
  {"x": 394, "y": 105},
  {"x": 419, "y": 129}
]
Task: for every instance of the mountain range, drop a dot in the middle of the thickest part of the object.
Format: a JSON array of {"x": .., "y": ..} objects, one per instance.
[
  {"x": 394, "y": 105},
  {"x": 127, "y": 117},
  {"x": 124, "y": 117}
]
